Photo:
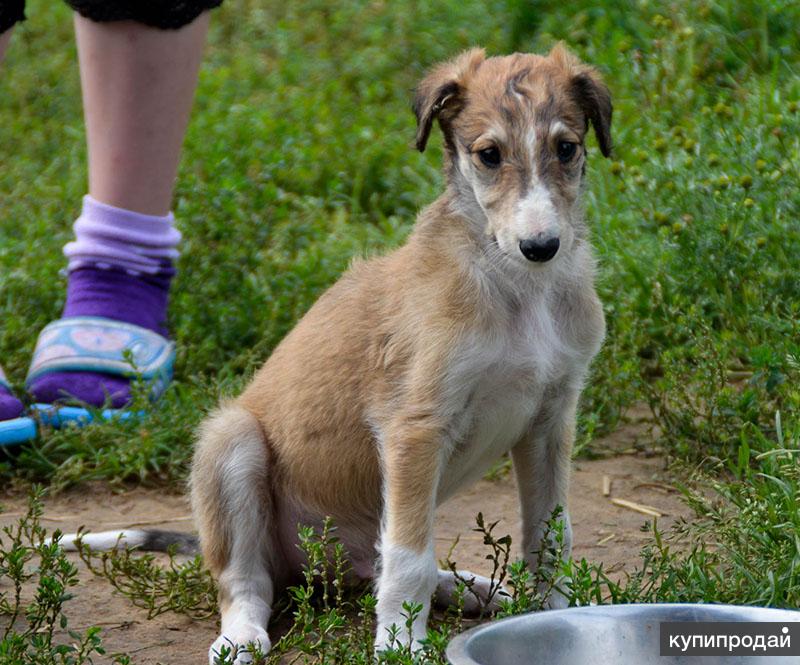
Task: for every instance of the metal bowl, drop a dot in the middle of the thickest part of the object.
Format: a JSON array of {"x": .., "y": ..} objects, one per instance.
[{"x": 605, "y": 635}]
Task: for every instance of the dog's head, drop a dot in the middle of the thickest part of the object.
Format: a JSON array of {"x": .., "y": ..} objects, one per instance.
[{"x": 514, "y": 130}]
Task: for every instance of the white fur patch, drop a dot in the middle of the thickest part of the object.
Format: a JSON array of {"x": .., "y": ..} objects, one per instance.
[
  {"x": 406, "y": 576},
  {"x": 495, "y": 385},
  {"x": 558, "y": 128},
  {"x": 105, "y": 540},
  {"x": 535, "y": 216},
  {"x": 242, "y": 627}
]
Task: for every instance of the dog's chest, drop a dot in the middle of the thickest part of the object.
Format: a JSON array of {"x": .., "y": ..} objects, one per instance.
[{"x": 503, "y": 379}]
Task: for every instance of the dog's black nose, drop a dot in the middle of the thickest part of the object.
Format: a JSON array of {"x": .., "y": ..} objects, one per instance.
[{"x": 539, "y": 250}]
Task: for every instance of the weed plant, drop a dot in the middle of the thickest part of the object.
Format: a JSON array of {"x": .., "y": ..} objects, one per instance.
[{"x": 36, "y": 580}]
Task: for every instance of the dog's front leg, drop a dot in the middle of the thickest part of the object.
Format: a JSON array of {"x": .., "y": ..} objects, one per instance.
[
  {"x": 411, "y": 458},
  {"x": 542, "y": 461}
]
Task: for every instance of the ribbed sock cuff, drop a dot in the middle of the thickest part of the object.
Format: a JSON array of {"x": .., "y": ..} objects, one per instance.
[{"x": 106, "y": 236}]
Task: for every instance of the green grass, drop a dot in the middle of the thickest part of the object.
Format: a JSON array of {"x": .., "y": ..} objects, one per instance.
[{"x": 299, "y": 157}]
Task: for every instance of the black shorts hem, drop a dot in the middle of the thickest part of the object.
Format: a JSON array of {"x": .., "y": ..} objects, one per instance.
[
  {"x": 155, "y": 13},
  {"x": 11, "y": 13}
]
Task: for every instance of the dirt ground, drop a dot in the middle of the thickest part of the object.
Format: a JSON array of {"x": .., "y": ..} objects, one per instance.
[{"x": 602, "y": 532}]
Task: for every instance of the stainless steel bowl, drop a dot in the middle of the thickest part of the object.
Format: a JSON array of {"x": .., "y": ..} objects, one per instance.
[{"x": 603, "y": 635}]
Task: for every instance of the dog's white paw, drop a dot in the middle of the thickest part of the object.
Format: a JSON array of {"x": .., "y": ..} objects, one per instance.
[
  {"x": 483, "y": 587},
  {"x": 239, "y": 644},
  {"x": 390, "y": 637},
  {"x": 557, "y": 600},
  {"x": 480, "y": 593}
]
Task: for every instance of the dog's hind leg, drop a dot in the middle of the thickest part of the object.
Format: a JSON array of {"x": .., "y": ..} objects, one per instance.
[{"x": 232, "y": 507}]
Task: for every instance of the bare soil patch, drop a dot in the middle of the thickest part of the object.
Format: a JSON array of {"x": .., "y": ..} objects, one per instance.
[{"x": 603, "y": 532}]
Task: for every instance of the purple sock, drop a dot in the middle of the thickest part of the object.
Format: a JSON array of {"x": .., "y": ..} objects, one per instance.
[
  {"x": 120, "y": 268},
  {"x": 10, "y": 406}
]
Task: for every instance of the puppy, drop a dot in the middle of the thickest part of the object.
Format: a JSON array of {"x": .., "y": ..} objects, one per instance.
[{"x": 414, "y": 372}]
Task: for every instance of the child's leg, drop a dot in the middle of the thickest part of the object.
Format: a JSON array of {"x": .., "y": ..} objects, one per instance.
[
  {"x": 138, "y": 83},
  {"x": 10, "y": 406},
  {"x": 5, "y": 38}
]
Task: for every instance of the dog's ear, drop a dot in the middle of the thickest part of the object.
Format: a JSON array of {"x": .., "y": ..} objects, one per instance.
[
  {"x": 439, "y": 93},
  {"x": 595, "y": 100},
  {"x": 590, "y": 93}
]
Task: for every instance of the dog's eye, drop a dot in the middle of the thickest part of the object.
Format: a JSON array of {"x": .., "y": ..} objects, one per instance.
[
  {"x": 566, "y": 151},
  {"x": 490, "y": 157}
]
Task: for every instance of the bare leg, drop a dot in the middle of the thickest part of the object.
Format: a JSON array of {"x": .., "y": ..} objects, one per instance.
[
  {"x": 10, "y": 406},
  {"x": 138, "y": 85},
  {"x": 4, "y": 39}
]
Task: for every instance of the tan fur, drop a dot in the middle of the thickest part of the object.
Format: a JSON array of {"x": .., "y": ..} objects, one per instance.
[
  {"x": 363, "y": 340},
  {"x": 366, "y": 406}
]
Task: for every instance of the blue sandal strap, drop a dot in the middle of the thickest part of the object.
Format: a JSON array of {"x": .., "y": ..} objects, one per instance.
[
  {"x": 58, "y": 416},
  {"x": 18, "y": 430},
  {"x": 97, "y": 344}
]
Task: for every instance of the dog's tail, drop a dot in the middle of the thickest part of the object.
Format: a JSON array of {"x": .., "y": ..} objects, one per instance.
[{"x": 147, "y": 540}]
